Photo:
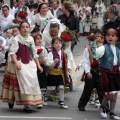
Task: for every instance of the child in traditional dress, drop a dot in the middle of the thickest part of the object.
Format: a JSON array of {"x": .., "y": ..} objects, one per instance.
[
  {"x": 42, "y": 52},
  {"x": 57, "y": 76},
  {"x": 20, "y": 81},
  {"x": 91, "y": 75},
  {"x": 109, "y": 56}
]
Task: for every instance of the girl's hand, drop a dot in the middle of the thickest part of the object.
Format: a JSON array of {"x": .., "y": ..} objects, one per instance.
[
  {"x": 40, "y": 69},
  {"x": 18, "y": 66},
  {"x": 78, "y": 68},
  {"x": 56, "y": 60},
  {"x": 89, "y": 75}
]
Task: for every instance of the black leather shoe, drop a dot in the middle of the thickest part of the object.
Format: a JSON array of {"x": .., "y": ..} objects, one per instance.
[
  {"x": 27, "y": 109},
  {"x": 11, "y": 105},
  {"x": 81, "y": 108}
]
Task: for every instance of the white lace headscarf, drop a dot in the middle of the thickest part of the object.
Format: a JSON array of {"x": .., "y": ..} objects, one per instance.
[{"x": 100, "y": 5}]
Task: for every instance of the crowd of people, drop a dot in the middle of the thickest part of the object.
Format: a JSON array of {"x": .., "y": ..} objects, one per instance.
[{"x": 38, "y": 61}]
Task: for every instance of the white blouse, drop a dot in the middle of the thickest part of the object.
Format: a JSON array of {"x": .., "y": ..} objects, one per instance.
[
  {"x": 25, "y": 41},
  {"x": 101, "y": 50}
]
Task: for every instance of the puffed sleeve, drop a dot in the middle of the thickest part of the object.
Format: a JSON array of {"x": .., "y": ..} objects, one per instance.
[
  {"x": 50, "y": 62},
  {"x": 34, "y": 49},
  {"x": 100, "y": 51},
  {"x": 14, "y": 47}
]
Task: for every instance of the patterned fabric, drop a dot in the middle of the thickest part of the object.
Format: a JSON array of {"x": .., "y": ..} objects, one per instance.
[{"x": 11, "y": 91}]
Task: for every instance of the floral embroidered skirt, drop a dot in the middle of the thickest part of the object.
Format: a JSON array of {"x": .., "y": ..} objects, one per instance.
[{"x": 11, "y": 90}]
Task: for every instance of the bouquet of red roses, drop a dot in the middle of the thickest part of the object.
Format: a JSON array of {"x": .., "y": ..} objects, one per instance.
[
  {"x": 39, "y": 51},
  {"x": 97, "y": 13},
  {"x": 23, "y": 14},
  {"x": 68, "y": 36},
  {"x": 88, "y": 17},
  {"x": 95, "y": 64},
  {"x": 91, "y": 37}
]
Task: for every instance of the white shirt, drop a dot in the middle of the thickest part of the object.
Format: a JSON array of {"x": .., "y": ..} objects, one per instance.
[
  {"x": 85, "y": 62},
  {"x": 101, "y": 51}
]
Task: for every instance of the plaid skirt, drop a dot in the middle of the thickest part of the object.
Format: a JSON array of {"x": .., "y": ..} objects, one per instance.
[{"x": 11, "y": 90}]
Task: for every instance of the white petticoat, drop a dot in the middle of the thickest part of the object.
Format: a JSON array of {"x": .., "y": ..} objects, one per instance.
[{"x": 27, "y": 79}]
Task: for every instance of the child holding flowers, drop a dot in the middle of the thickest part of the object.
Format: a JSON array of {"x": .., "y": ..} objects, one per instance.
[
  {"x": 90, "y": 64},
  {"x": 42, "y": 52}
]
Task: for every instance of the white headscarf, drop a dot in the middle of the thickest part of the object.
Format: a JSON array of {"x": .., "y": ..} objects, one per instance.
[
  {"x": 55, "y": 20},
  {"x": 101, "y": 5}
]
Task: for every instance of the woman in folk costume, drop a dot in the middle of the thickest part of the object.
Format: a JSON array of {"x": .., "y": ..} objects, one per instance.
[
  {"x": 20, "y": 83},
  {"x": 40, "y": 19},
  {"x": 5, "y": 19},
  {"x": 52, "y": 29},
  {"x": 57, "y": 76}
]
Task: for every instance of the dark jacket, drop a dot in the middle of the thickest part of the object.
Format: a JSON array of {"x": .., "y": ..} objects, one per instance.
[
  {"x": 72, "y": 22},
  {"x": 115, "y": 24}
]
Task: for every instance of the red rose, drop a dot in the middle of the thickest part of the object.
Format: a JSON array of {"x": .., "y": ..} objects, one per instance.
[
  {"x": 23, "y": 14},
  {"x": 39, "y": 50},
  {"x": 65, "y": 37}
]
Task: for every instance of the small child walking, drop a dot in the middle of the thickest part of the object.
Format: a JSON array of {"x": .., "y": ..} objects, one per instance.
[
  {"x": 109, "y": 56},
  {"x": 57, "y": 76}
]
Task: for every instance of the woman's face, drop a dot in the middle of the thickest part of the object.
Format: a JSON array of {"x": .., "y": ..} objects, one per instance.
[
  {"x": 99, "y": 2},
  {"x": 54, "y": 32},
  {"x": 109, "y": 14},
  {"x": 64, "y": 10},
  {"x": 44, "y": 9},
  {"x": 5, "y": 11}
]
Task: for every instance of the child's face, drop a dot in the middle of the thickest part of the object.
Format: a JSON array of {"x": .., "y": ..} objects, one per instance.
[
  {"x": 24, "y": 29},
  {"x": 9, "y": 34},
  {"x": 15, "y": 31},
  {"x": 111, "y": 37},
  {"x": 38, "y": 41},
  {"x": 54, "y": 31},
  {"x": 57, "y": 45}
]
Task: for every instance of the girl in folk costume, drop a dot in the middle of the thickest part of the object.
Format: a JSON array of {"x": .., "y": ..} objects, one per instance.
[
  {"x": 87, "y": 21},
  {"x": 42, "y": 52},
  {"x": 57, "y": 76},
  {"x": 53, "y": 29},
  {"x": 109, "y": 56},
  {"x": 20, "y": 81},
  {"x": 100, "y": 15},
  {"x": 91, "y": 75}
]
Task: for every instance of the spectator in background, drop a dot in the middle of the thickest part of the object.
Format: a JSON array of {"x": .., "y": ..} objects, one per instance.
[
  {"x": 113, "y": 22},
  {"x": 39, "y": 2},
  {"x": 69, "y": 19},
  {"x": 32, "y": 5},
  {"x": 1, "y": 3},
  {"x": 118, "y": 5},
  {"x": 56, "y": 9}
]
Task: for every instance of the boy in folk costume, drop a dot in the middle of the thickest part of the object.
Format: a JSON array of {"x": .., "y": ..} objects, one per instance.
[
  {"x": 91, "y": 76},
  {"x": 110, "y": 72},
  {"x": 57, "y": 76}
]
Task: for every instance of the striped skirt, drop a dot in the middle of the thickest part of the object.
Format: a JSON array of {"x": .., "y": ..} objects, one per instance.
[{"x": 11, "y": 90}]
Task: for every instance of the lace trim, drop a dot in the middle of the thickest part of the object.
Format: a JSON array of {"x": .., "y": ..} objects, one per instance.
[{"x": 25, "y": 41}]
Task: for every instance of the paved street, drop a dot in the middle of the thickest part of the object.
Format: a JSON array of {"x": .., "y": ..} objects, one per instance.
[{"x": 52, "y": 111}]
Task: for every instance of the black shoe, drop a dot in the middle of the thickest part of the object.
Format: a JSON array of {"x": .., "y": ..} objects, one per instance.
[
  {"x": 11, "y": 105},
  {"x": 27, "y": 109},
  {"x": 81, "y": 108}
]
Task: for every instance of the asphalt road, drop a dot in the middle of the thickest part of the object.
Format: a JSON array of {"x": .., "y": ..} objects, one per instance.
[{"x": 52, "y": 111}]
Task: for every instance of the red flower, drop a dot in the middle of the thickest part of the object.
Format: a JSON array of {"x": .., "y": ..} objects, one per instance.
[
  {"x": 39, "y": 50},
  {"x": 95, "y": 64},
  {"x": 16, "y": 21},
  {"x": 91, "y": 37},
  {"x": 23, "y": 14},
  {"x": 80, "y": 17},
  {"x": 66, "y": 37}
]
